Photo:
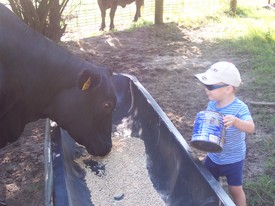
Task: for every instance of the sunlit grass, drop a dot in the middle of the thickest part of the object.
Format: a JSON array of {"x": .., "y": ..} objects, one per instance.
[{"x": 140, "y": 23}]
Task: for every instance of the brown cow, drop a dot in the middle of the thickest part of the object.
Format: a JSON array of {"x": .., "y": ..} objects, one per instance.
[{"x": 112, "y": 4}]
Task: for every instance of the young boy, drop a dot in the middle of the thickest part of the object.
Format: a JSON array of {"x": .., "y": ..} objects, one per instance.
[{"x": 221, "y": 81}]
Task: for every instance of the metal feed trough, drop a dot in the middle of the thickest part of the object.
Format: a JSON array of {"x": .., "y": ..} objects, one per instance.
[{"x": 177, "y": 174}]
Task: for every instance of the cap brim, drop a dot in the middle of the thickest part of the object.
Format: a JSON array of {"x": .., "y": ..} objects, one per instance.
[{"x": 207, "y": 79}]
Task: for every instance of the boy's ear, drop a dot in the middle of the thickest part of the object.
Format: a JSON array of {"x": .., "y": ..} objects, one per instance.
[
  {"x": 230, "y": 89},
  {"x": 88, "y": 79}
]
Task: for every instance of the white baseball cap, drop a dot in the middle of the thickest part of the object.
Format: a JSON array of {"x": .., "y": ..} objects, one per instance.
[{"x": 225, "y": 72}]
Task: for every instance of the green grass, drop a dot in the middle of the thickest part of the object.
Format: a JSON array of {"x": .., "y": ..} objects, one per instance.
[
  {"x": 140, "y": 23},
  {"x": 261, "y": 192}
]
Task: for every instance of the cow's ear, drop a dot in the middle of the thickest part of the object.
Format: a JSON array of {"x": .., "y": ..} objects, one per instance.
[{"x": 88, "y": 80}]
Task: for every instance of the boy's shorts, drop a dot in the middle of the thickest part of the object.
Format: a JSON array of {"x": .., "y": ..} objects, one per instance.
[{"x": 233, "y": 172}]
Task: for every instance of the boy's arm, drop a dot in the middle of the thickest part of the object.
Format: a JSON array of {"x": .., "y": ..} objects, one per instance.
[{"x": 243, "y": 125}]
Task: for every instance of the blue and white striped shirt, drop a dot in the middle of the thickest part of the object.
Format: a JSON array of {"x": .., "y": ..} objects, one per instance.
[{"x": 234, "y": 149}]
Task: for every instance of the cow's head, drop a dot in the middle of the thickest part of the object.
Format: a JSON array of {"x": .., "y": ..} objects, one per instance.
[{"x": 85, "y": 110}]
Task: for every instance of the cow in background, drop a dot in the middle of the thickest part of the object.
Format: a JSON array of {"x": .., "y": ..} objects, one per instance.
[
  {"x": 112, "y": 4},
  {"x": 40, "y": 79}
]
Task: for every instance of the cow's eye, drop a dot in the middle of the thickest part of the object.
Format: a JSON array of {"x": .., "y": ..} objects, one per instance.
[{"x": 108, "y": 107}]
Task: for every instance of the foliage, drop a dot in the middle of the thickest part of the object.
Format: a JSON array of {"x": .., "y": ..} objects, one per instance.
[
  {"x": 262, "y": 191},
  {"x": 44, "y": 16}
]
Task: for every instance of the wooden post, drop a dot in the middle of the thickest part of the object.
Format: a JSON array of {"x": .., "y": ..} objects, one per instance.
[
  {"x": 235, "y": 7},
  {"x": 158, "y": 11}
]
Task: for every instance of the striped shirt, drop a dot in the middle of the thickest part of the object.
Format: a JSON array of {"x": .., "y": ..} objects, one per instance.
[{"x": 234, "y": 149}]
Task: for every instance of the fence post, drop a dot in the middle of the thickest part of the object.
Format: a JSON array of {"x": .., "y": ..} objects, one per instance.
[
  {"x": 158, "y": 11},
  {"x": 233, "y": 6}
]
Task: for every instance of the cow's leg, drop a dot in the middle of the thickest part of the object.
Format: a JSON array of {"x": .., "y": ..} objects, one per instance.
[
  {"x": 112, "y": 16},
  {"x": 103, "y": 15},
  {"x": 139, "y": 3},
  {"x": 102, "y": 6}
]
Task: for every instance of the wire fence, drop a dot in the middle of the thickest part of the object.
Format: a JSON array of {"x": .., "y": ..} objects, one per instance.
[
  {"x": 83, "y": 17},
  {"x": 86, "y": 17}
]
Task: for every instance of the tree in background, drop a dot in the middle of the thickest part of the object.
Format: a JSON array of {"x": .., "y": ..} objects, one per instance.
[{"x": 44, "y": 16}]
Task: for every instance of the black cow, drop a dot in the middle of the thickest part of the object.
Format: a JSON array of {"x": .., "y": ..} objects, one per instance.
[
  {"x": 40, "y": 79},
  {"x": 112, "y": 4}
]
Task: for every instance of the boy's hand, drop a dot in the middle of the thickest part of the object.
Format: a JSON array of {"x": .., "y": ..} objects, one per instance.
[
  {"x": 243, "y": 125},
  {"x": 229, "y": 120}
]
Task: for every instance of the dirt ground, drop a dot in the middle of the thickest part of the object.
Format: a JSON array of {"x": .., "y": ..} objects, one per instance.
[{"x": 164, "y": 58}]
